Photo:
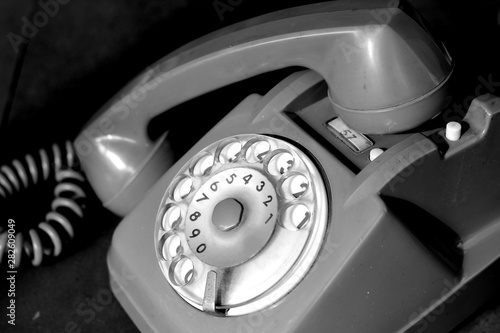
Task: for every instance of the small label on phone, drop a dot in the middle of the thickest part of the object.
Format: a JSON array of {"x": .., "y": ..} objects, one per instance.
[{"x": 354, "y": 140}]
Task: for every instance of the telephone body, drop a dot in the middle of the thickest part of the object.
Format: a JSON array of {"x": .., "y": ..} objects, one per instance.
[{"x": 281, "y": 218}]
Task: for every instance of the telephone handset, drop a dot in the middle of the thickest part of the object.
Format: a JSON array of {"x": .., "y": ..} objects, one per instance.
[
  {"x": 297, "y": 211},
  {"x": 381, "y": 77}
]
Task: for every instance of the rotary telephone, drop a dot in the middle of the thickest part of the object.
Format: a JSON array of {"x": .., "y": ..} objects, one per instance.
[{"x": 342, "y": 200}]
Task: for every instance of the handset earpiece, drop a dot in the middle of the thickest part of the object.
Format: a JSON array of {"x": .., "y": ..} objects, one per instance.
[{"x": 384, "y": 73}]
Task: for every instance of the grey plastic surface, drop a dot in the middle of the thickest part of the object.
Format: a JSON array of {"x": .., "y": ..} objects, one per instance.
[{"x": 376, "y": 271}]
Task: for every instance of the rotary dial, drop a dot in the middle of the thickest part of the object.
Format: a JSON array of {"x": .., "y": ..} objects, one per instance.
[{"x": 241, "y": 224}]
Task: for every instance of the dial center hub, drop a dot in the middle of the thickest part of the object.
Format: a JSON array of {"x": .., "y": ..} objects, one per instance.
[
  {"x": 228, "y": 214},
  {"x": 231, "y": 216}
]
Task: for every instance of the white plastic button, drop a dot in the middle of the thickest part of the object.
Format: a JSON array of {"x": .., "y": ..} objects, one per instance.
[
  {"x": 453, "y": 131},
  {"x": 375, "y": 152}
]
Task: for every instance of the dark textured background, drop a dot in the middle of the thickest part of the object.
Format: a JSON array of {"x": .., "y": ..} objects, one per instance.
[{"x": 86, "y": 53}]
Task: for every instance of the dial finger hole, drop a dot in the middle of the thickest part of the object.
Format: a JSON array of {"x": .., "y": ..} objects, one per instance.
[
  {"x": 182, "y": 271},
  {"x": 256, "y": 150},
  {"x": 170, "y": 216},
  {"x": 202, "y": 165},
  {"x": 295, "y": 217},
  {"x": 279, "y": 162},
  {"x": 170, "y": 246},
  {"x": 294, "y": 186},
  {"x": 182, "y": 188},
  {"x": 229, "y": 151}
]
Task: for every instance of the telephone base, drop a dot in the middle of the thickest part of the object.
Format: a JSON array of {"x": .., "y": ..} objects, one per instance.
[{"x": 402, "y": 252}]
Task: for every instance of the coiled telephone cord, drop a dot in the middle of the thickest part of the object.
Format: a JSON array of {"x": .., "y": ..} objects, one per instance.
[{"x": 46, "y": 239}]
